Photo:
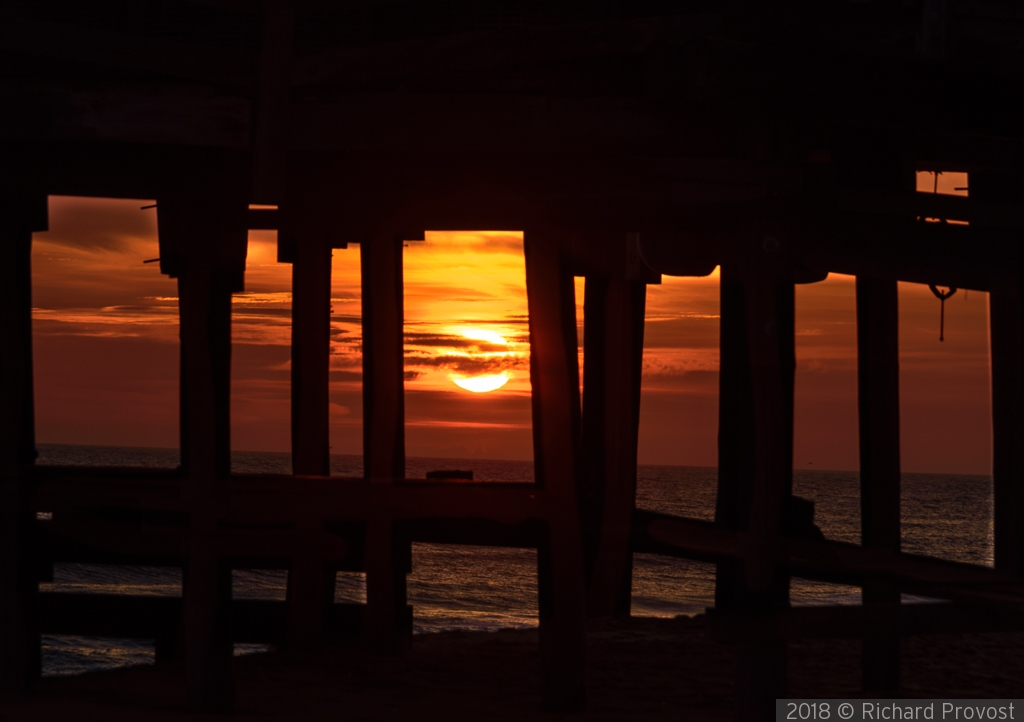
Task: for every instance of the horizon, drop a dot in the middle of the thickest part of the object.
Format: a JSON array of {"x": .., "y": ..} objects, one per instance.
[
  {"x": 106, "y": 352},
  {"x": 518, "y": 461}
]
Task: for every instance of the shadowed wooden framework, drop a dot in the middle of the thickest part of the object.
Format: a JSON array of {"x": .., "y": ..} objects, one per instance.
[{"x": 625, "y": 143}]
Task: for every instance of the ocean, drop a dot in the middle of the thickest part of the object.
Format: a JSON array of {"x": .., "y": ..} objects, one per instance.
[{"x": 488, "y": 588}]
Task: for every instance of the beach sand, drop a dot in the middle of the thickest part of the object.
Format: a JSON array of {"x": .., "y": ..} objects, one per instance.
[{"x": 643, "y": 669}]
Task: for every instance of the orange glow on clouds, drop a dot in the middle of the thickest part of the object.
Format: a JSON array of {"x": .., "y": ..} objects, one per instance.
[{"x": 106, "y": 352}]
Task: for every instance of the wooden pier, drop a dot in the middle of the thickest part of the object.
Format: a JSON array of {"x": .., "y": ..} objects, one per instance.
[{"x": 777, "y": 141}]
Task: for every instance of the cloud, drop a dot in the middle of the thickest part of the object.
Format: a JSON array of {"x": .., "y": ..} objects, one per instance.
[
  {"x": 99, "y": 224},
  {"x": 469, "y": 365}
]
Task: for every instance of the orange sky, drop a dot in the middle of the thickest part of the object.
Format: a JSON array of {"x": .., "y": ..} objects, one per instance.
[{"x": 107, "y": 366}]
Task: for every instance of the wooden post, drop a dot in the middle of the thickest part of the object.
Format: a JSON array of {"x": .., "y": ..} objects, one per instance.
[
  {"x": 879, "y": 406},
  {"x": 1006, "y": 350},
  {"x": 554, "y": 375},
  {"x": 310, "y": 585},
  {"x": 203, "y": 240},
  {"x": 756, "y": 425},
  {"x": 613, "y": 340},
  {"x": 384, "y": 435},
  {"x": 20, "y": 661}
]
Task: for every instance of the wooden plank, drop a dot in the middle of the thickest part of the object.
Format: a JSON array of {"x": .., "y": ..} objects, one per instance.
[
  {"x": 384, "y": 433},
  {"x": 613, "y": 351},
  {"x": 554, "y": 376},
  {"x": 879, "y": 413},
  {"x": 20, "y": 661}
]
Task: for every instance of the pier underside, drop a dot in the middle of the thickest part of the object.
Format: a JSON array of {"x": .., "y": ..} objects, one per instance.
[{"x": 778, "y": 143}]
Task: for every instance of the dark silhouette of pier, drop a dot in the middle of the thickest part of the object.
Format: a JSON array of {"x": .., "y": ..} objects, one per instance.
[{"x": 777, "y": 140}]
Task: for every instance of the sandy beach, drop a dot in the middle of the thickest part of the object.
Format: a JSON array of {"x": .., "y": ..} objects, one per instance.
[{"x": 643, "y": 669}]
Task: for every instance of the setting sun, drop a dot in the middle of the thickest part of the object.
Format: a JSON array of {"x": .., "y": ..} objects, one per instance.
[{"x": 481, "y": 384}]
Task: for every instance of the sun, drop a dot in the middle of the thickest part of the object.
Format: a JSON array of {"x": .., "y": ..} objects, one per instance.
[
  {"x": 485, "y": 382},
  {"x": 481, "y": 384}
]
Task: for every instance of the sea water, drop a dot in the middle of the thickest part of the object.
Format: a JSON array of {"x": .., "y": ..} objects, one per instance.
[{"x": 486, "y": 588}]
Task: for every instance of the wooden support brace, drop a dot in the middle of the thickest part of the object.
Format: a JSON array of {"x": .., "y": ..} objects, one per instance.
[
  {"x": 613, "y": 350},
  {"x": 20, "y": 661},
  {"x": 384, "y": 435},
  {"x": 554, "y": 375},
  {"x": 879, "y": 408}
]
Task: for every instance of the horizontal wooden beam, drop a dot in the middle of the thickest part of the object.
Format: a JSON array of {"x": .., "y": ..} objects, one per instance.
[
  {"x": 834, "y": 561},
  {"x": 137, "y": 113},
  {"x": 133, "y": 53},
  {"x": 148, "y": 617},
  {"x": 853, "y": 621},
  {"x": 487, "y": 51}
]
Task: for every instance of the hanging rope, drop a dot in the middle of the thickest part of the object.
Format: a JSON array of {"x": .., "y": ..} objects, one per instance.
[{"x": 942, "y": 296}]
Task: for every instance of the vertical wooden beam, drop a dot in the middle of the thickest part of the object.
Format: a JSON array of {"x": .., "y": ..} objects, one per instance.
[
  {"x": 756, "y": 423},
  {"x": 311, "y": 348},
  {"x": 310, "y": 585},
  {"x": 20, "y": 661},
  {"x": 383, "y": 362},
  {"x": 1006, "y": 351},
  {"x": 554, "y": 375},
  {"x": 879, "y": 409},
  {"x": 203, "y": 237},
  {"x": 384, "y": 435},
  {"x": 735, "y": 428},
  {"x": 613, "y": 336}
]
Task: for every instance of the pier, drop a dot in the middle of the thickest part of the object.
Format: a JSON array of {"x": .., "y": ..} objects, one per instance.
[{"x": 628, "y": 141}]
